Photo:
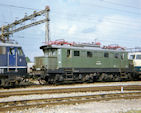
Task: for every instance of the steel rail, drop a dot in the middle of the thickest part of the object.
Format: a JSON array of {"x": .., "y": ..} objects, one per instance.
[
  {"x": 22, "y": 104},
  {"x": 70, "y": 90}
]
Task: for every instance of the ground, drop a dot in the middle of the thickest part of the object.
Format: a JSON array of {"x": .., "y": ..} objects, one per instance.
[{"x": 113, "y": 106}]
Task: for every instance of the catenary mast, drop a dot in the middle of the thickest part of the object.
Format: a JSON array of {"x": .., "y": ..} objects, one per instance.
[{"x": 17, "y": 25}]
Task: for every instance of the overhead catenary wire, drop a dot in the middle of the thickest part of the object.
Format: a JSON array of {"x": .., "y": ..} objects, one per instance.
[
  {"x": 115, "y": 9},
  {"x": 107, "y": 19},
  {"x": 120, "y": 4},
  {"x": 15, "y": 6},
  {"x": 32, "y": 9},
  {"x": 109, "y": 41},
  {"x": 36, "y": 9},
  {"x": 21, "y": 7}
]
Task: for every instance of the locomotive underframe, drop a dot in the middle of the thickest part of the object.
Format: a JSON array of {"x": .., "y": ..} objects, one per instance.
[
  {"x": 14, "y": 76},
  {"x": 84, "y": 74}
]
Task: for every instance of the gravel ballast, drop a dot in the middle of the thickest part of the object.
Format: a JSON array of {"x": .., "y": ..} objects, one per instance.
[
  {"x": 100, "y": 84},
  {"x": 113, "y": 106}
]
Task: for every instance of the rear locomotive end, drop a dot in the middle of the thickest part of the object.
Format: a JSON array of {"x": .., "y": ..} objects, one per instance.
[
  {"x": 12, "y": 64},
  {"x": 46, "y": 67}
]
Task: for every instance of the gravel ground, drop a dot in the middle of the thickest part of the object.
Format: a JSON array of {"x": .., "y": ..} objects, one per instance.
[
  {"x": 113, "y": 106},
  {"x": 30, "y": 97},
  {"x": 75, "y": 86}
]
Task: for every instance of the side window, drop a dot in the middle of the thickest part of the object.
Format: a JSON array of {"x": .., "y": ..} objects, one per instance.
[
  {"x": 68, "y": 53},
  {"x": 76, "y": 53},
  {"x": 122, "y": 56},
  {"x": 12, "y": 51},
  {"x": 106, "y": 55},
  {"x": 20, "y": 52},
  {"x": 89, "y": 54},
  {"x": 2, "y": 50},
  {"x": 116, "y": 55}
]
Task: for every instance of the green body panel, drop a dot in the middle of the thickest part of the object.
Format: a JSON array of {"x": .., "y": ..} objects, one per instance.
[
  {"x": 52, "y": 62},
  {"x": 96, "y": 61},
  {"x": 59, "y": 59},
  {"x": 47, "y": 62},
  {"x": 40, "y": 61}
]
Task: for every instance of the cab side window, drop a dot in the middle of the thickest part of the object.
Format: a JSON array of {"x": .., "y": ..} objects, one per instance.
[{"x": 12, "y": 51}]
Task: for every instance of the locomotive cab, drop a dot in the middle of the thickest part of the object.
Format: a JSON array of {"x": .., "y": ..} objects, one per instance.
[
  {"x": 48, "y": 61},
  {"x": 136, "y": 57}
]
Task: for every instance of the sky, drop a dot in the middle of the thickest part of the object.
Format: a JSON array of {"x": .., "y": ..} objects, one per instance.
[{"x": 105, "y": 21}]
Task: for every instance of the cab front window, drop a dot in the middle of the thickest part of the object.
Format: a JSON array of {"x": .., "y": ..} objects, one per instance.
[
  {"x": 20, "y": 52},
  {"x": 132, "y": 57},
  {"x": 138, "y": 57},
  {"x": 50, "y": 52}
]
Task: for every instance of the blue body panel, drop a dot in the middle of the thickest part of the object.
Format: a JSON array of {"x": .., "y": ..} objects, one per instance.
[
  {"x": 12, "y": 56},
  {"x": 21, "y": 61},
  {"x": 3, "y": 60},
  {"x": 13, "y": 60},
  {"x": 138, "y": 68}
]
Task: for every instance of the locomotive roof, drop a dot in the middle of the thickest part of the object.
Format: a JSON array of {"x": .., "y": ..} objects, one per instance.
[
  {"x": 79, "y": 48},
  {"x": 135, "y": 53},
  {"x": 9, "y": 45}
]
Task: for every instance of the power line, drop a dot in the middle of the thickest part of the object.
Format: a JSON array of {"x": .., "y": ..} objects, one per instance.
[
  {"x": 115, "y": 9},
  {"x": 35, "y": 9},
  {"x": 77, "y": 37},
  {"x": 21, "y": 7},
  {"x": 135, "y": 13},
  {"x": 109, "y": 20},
  {"x": 56, "y": 13},
  {"x": 119, "y": 4},
  {"x": 106, "y": 7},
  {"x": 95, "y": 21},
  {"x": 121, "y": 24}
]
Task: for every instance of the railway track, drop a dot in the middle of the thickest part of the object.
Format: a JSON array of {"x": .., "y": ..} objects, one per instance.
[
  {"x": 124, "y": 92},
  {"x": 22, "y": 104},
  {"x": 70, "y": 90}
]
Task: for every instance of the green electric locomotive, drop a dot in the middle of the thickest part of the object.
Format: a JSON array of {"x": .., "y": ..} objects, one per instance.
[{"x": 82, "y": 63}]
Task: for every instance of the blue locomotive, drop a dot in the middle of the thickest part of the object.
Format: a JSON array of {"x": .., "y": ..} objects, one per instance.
[{"x": 13, "y": 64}]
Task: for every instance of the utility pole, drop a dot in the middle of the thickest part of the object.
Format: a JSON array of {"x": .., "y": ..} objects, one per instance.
[{"x": 47, "y": 37}]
